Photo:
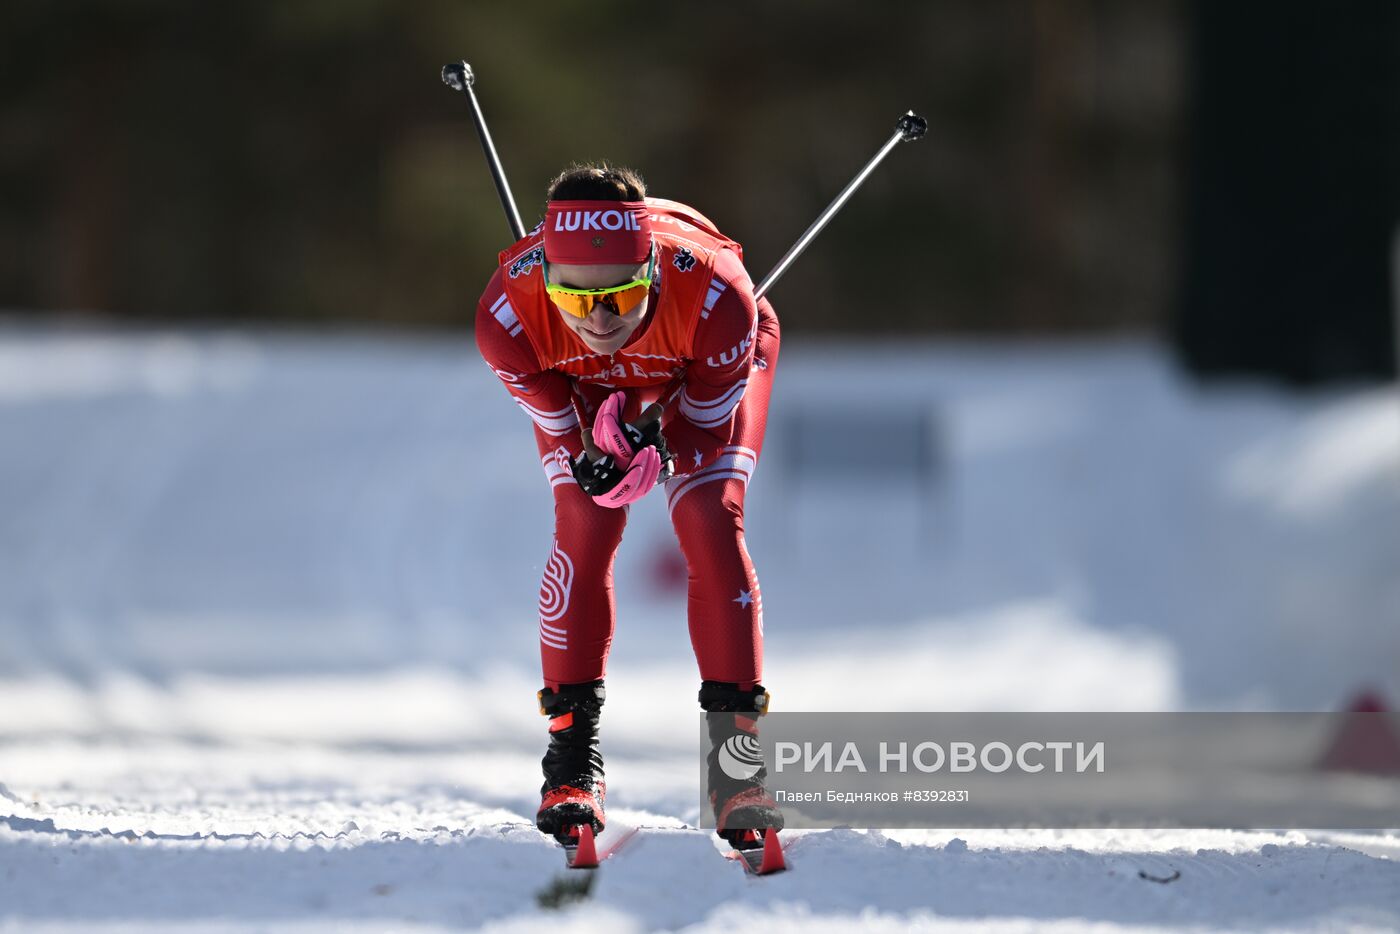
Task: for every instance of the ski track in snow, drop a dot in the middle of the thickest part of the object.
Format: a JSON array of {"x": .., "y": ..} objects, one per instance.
[
  {"x": 491, "y": 873},
  {"x": 262, "y": 663}
]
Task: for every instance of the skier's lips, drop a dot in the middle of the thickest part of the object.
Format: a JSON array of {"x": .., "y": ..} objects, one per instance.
[{"x": 595, "y": 333}]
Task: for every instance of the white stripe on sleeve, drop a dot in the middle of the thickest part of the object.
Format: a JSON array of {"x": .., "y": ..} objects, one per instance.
[
  {"x": 553, "y": 423},
  {"x": 715, "y": 412}
]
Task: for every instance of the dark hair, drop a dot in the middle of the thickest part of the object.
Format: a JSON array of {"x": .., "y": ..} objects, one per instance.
[{"x": 597, "y": 181}]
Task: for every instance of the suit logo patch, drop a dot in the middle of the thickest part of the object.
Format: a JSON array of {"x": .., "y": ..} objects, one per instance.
[{"x": 526, "y": 262}]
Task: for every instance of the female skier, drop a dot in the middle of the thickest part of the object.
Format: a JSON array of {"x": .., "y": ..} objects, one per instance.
[{"x": 626, "y": 328}]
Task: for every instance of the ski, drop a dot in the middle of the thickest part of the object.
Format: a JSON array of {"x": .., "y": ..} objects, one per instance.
[
  {"x": 760, "y": 853},
  {"x": 583, "y": 851},
  {"x": 579, "y": 846}
]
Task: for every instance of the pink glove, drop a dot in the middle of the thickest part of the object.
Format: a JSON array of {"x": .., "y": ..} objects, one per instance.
[
  {"x": 640, "y": 477},
  {"x": 642, "y": 464},
  {"x": 608, "y": 433}
]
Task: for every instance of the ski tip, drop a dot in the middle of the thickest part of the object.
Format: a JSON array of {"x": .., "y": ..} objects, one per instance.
[
  {"x": 586, "y": 852},
  {"x": 773, "y": 860}
]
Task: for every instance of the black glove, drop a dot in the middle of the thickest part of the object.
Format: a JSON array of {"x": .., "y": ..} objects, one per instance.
[
  {"x": 639, "y": 438},
  {"x": 597, "y": 477}
]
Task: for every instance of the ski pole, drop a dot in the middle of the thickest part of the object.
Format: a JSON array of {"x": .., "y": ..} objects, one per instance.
[
  {"x": 910, "y": 127},
  {"x": 459, "y": 77}
]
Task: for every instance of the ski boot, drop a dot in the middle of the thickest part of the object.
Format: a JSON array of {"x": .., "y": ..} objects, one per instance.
[
  {"x": 573, "y": 789},
  {"x": 735, "y": 770}
]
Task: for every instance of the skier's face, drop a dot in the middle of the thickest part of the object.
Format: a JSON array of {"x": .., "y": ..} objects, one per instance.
[{"x": 603, "y": 331}]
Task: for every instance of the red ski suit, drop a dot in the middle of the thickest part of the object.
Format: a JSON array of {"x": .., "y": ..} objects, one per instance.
[{"x": 707, "y": 351}]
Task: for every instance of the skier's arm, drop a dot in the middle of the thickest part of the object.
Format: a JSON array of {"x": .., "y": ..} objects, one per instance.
[
  {"x": 546, "y": 396},
  {"x": 699, "y": 418}
]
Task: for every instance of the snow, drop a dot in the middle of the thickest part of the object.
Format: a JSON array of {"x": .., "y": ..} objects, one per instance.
[
  {"x": 267, "y": 653},
  {"x": 1335, "y": 458}
]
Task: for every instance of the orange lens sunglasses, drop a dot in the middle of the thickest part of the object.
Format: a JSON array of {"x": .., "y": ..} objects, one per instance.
[{"x": 619, "y": 298}]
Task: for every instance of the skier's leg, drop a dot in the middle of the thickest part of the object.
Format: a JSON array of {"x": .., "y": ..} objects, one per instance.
[
  {"x": 742, "y": 806},
  {"x": 576, "y": 613},
  {"x": 574, "y": 788},
  {"x": 725, "y": 610},
  {"x": 576, "y": 607},
  {"x": 725, "y": 604}
]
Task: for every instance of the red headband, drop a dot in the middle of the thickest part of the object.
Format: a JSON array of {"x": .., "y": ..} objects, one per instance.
[{"x": 595, "y": 233}]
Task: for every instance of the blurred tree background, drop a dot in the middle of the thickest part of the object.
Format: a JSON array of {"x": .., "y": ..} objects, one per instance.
[{"x": 299, "y": 160}]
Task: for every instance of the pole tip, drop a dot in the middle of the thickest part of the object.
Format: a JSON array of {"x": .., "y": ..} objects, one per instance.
[
  {"x": 458, "y": 76},
  {"x": 911, "y": 126}
]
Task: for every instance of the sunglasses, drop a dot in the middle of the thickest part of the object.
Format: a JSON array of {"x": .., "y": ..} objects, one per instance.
[{"x": 618, "y": 298}]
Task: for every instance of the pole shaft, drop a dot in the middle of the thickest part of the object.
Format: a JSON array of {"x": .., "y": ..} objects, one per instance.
[
  {"x": 498, "y": 174},
  {"x": 796, "y": 249}
]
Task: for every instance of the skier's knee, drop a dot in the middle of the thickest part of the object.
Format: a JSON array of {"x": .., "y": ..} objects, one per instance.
[
  {"x": 579, "y": 518},
  {"x": 706, "y": 515}
]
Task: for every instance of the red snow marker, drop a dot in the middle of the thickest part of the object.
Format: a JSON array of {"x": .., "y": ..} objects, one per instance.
[
  {"x": 668, "y": 572},
  {"x": 1369, "y": 701},
  {"x": 1365, "y": 742}
]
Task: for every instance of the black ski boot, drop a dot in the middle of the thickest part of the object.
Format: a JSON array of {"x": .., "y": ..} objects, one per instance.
[
  {"x": 573, "y": 788},
  {"x": 743, "y": 808}
]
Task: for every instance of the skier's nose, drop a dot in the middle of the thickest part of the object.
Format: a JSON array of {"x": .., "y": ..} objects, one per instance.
[{"x": 601, "y": 314}]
